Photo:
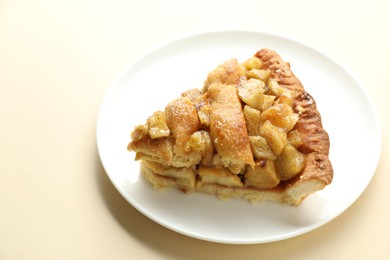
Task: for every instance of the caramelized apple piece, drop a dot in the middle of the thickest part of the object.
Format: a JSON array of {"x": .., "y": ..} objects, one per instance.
[
  {"x": 253, "y": 63},
  {"x": 275, "y": 88},
  {"x": 263, "y": 175},
  {"x": 251, "y": 92},
  {"x": 287, "y": 99},
  {"x": 294, "y": 138},
  {"x": 258, "y": 74},
  {"x": 260, "y": 148},
  {"x": 268, "y": 101},
  {"x": 222, "y": 176},
  {"x": 200, "y": 143},
  {"x": 290, "y": 162},
  {"x": 276, "y": 137},
  {"x": 253, "y": 120},
  {"x": 157, "y": 125},
  {"x": 280, "y": 115}
]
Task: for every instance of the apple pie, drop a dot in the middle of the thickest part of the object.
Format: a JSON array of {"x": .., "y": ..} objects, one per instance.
[{"x": 251, "y": 132}]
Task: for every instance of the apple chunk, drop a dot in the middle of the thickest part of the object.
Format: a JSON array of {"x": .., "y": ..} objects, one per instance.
[{"x": 290, "y": 162}]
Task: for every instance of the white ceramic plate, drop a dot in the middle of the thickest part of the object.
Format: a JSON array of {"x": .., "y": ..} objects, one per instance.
[{"x": 154, "y": 80}]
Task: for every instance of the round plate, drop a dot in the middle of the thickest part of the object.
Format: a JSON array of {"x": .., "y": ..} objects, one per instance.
[{"x": 162, "y": 75}]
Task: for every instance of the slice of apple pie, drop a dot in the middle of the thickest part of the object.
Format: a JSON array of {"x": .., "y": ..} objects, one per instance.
[{"x": 251, "y": 132}]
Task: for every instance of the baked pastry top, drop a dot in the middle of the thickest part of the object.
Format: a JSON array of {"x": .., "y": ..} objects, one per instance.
[{"x": 251, "y": 132}]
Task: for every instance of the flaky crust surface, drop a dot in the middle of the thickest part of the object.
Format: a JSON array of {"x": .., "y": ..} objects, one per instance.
[{"x": 227, "y": 126}]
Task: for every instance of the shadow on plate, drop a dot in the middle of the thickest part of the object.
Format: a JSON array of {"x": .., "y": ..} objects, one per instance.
[
  {"x": 170, "y": 244},
  {"x": 140, "y": 227}
]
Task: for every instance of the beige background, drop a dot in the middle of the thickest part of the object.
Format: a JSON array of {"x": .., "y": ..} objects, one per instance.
[{"x": 57, "y": 59}]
